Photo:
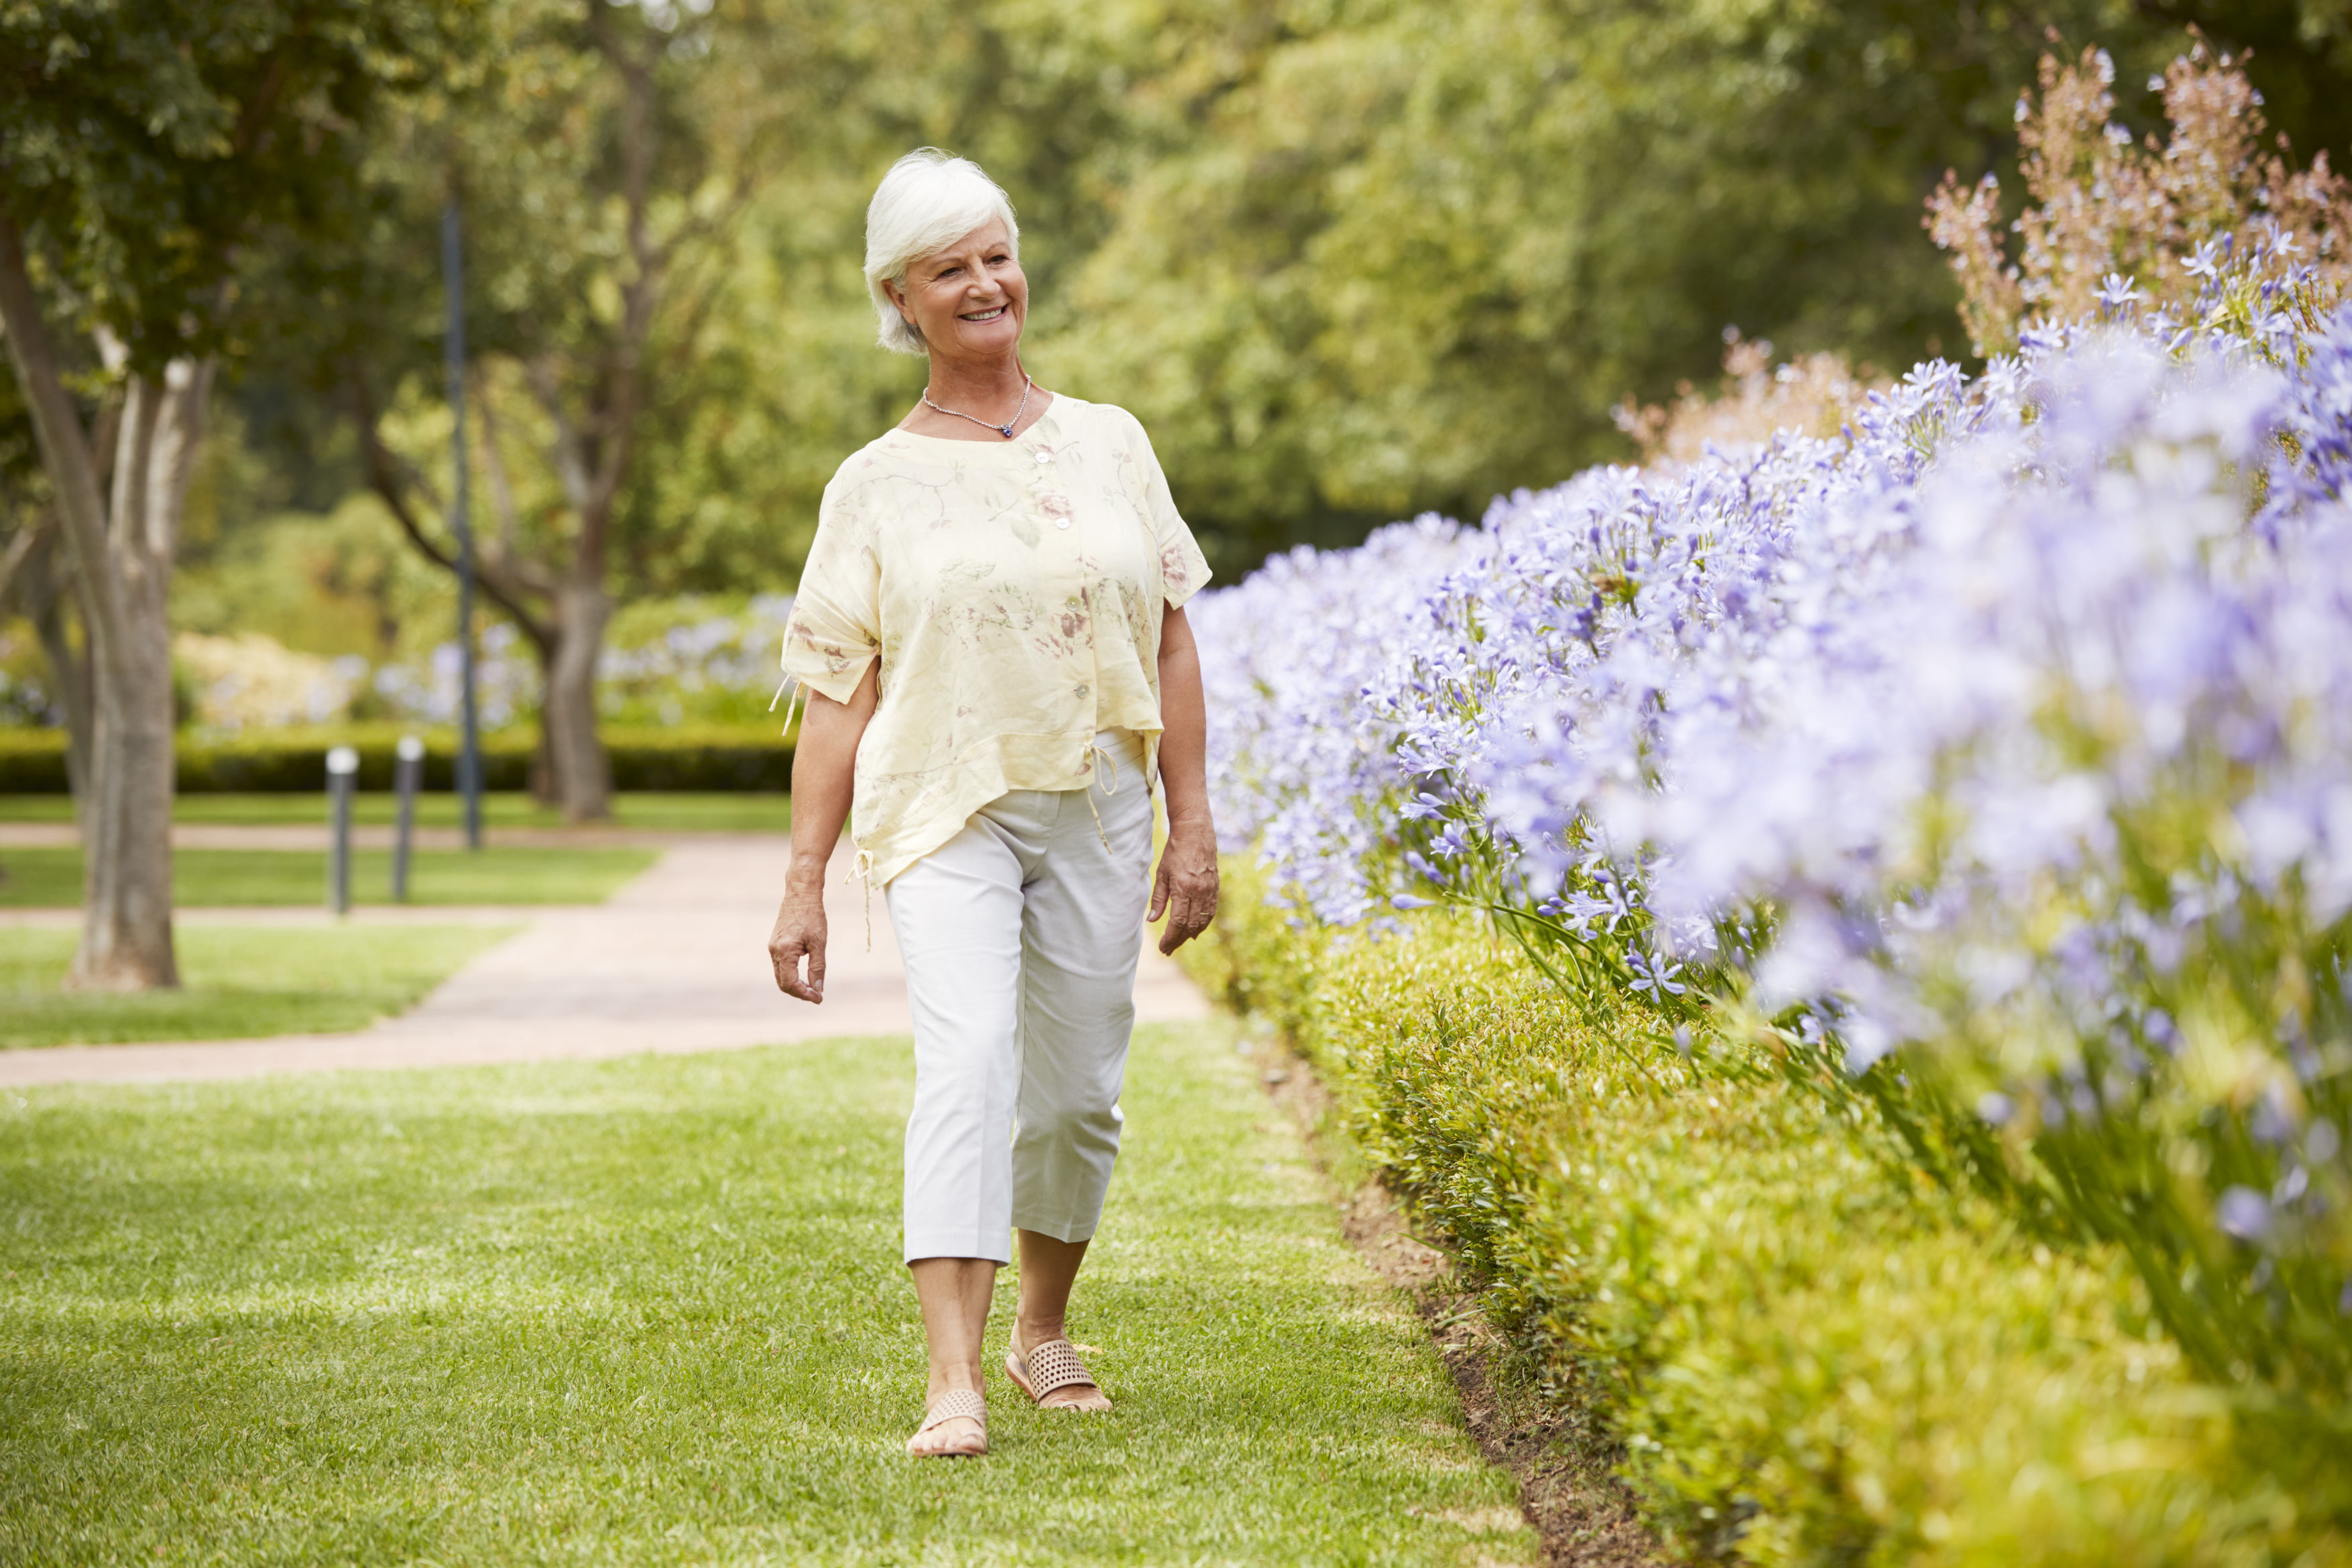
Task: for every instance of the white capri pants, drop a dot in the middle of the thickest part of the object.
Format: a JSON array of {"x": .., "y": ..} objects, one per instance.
[{"x": 1020, "y": 936}]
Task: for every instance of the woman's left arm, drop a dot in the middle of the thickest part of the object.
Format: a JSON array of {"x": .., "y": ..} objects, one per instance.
[{"x": 1185, "y": 886}]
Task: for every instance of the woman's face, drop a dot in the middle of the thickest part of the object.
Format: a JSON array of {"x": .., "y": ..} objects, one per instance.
[{"x": 969, "y": 297}]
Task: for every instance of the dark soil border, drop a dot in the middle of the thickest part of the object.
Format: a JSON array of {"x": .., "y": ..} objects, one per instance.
[{"x": 1569, "y": 1492}]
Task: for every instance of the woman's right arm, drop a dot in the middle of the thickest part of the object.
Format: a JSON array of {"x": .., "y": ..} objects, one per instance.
[{"x": 825, "y": 765}]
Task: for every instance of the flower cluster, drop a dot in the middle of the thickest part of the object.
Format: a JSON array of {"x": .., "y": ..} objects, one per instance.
[
  {"x": 253, "y": 681},
  {"x": 680, "y": 659},
  {"x": 2107, "y": 220},
  {"x": 506, "y": 681},
  {"x": 2005, "y": 740},
  {"x": 667, "y": 661}
]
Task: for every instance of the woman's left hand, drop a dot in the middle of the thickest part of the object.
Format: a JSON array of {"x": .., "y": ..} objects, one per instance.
[{"x": 1185, "y": 886}]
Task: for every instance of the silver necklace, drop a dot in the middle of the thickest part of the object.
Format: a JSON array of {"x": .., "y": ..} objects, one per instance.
[{"x": 1004, "y": 430}]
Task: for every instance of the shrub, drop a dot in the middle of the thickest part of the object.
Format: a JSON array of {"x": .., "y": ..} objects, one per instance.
[
  {"x": 684, "y": 757},
  {"x": 1810, "y": 1352}
]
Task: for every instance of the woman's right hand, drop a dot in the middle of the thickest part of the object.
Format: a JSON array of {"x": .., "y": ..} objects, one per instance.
[{"x": 799, "y": 934}]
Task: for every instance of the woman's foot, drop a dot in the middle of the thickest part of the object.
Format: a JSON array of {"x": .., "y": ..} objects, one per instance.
[
  {"x": 1049, "y": 1370},
  {"x": 955, "y": 1425}
]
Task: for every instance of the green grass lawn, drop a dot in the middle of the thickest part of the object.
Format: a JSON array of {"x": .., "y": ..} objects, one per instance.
[
  {"x": 48, "y": 878},
  {"x": 649, "y": 812},
  {"x": 239, "y": 983},
  {"x": 651, "y": 1312}
]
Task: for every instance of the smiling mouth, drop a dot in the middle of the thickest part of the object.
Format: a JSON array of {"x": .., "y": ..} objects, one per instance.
[{"x": 985, "y": 315}]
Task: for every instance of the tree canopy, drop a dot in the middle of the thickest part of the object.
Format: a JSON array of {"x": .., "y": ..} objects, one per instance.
[
  {"x": 1347, "y": 259},
  {"x": 1350, "y": 261}
]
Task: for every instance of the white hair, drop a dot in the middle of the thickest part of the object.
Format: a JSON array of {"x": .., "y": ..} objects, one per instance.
[{"x": 928, "y": 199}]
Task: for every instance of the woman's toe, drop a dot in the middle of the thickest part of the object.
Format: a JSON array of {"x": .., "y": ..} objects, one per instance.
[{"x": 960, "y": 1435}]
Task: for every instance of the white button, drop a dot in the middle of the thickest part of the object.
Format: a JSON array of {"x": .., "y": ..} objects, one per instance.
[
  {"x": 1043, "y": 455},
  {"x": 1061, "y": 522}
]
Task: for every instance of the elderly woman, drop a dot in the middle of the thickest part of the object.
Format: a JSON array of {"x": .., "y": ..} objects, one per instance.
[{"x": 991, "y": 632}]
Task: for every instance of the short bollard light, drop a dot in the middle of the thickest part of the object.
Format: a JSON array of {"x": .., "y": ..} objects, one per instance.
[
  {"x": 343, "y": 778},
  {"x": 407, "y": 775}
]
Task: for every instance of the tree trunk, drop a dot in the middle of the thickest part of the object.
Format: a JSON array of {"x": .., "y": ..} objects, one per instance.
[
  {"x": 583, "y": 775},
  {"x": 123, "y": 548},
  {"x": 126, "y": 816},
  {"x": 42, "y": 590}
]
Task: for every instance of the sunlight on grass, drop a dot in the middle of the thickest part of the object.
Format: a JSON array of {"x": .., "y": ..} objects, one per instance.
[
  {"x": 651, "y": 1312},
  {"x": 643, "y": 812},
  {"x": 50, "y": 878},
  {"x": 239, "y": 983}
]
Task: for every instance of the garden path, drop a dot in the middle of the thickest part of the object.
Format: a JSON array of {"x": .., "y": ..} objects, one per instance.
[{"x": 674, "y": 962}]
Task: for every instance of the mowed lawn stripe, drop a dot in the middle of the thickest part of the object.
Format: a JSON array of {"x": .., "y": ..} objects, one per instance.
[
  {"x": 50, "y": 878},
  {"x": 237, "y": 983},
  {"x": 644, "y": 810},
  {"x": 651, "y": 1310}
]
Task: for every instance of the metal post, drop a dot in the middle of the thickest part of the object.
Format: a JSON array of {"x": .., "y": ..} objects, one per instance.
[
  {"x": 343, "y": 775},
  {"x": 469, "y": 740},
  {"x": 407, "y": 773}
]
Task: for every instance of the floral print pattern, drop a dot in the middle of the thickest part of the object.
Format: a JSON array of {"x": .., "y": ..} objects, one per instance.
[{"x": 1013, "y": 593}]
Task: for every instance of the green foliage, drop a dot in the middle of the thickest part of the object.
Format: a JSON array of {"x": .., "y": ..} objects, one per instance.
[
  {"x": 339, "y": 584},
  {"x": 2299, "y": 53},
  {"x": 238, "y": 984},
  {"x": 1346, "y": 260},
  {"x": 1396, "y": 257},
  {"x": 651, "y": 1312},
  {"x": 154, "y": 148},
  {"x": 1810, "y": 1352}
]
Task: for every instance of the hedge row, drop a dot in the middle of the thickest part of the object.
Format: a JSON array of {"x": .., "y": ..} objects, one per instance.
[
  {"x": 688, "y": 757},
  {"x": 1809, "y": 1354}
]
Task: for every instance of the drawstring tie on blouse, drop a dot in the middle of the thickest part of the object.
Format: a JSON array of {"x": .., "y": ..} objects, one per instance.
[
  {"x": 862, "y": 868},
  {"x": 797, "y": 687},
  {"x": 1095, "y": 748}
]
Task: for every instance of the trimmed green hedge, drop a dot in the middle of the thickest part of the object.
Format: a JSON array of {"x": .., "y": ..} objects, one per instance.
[
  {"x": 685, "y": 758},
  {"x": 1809, "y": 1352}
]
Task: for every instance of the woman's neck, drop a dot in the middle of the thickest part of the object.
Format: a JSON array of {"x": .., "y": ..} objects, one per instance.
[
  {"x": 980, "y": 392},
  {"x": 986, "y": 387}
]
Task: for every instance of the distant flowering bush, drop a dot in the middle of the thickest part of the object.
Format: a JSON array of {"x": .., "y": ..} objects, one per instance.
[
  {"x": 506, "y": 681},
  {"x": 667, "y": 662},
  {"x": 26, "y": 697},
  {"x": 1991, "y": 760},
  {"x": 250, "y": 681},
  {"x": 686, "y": 659}
]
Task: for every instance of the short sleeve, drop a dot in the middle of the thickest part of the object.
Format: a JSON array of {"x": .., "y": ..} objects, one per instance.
[
  {"x": 1183, "y": 569},
  {"x": 836, "y": 628}
]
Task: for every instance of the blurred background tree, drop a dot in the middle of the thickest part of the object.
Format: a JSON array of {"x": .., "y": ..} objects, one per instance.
[
  {"x": 604, "y": 156},
  {"x": 152, "y": 158}
]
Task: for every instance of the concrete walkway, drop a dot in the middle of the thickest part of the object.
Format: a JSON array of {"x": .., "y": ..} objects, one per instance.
[{"x": 676, "y": 961}]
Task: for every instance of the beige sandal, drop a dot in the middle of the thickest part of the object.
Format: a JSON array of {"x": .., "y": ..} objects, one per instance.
[
  {"x": 1048, "y": 1366},
  {"x": 956, "y": 1404}
]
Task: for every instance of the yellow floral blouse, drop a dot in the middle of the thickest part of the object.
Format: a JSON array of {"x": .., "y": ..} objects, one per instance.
[{"x": 1013, "y": 592}]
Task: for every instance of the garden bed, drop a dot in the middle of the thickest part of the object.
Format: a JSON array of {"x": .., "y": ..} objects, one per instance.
[{"x": 1807, "y": 1351}]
